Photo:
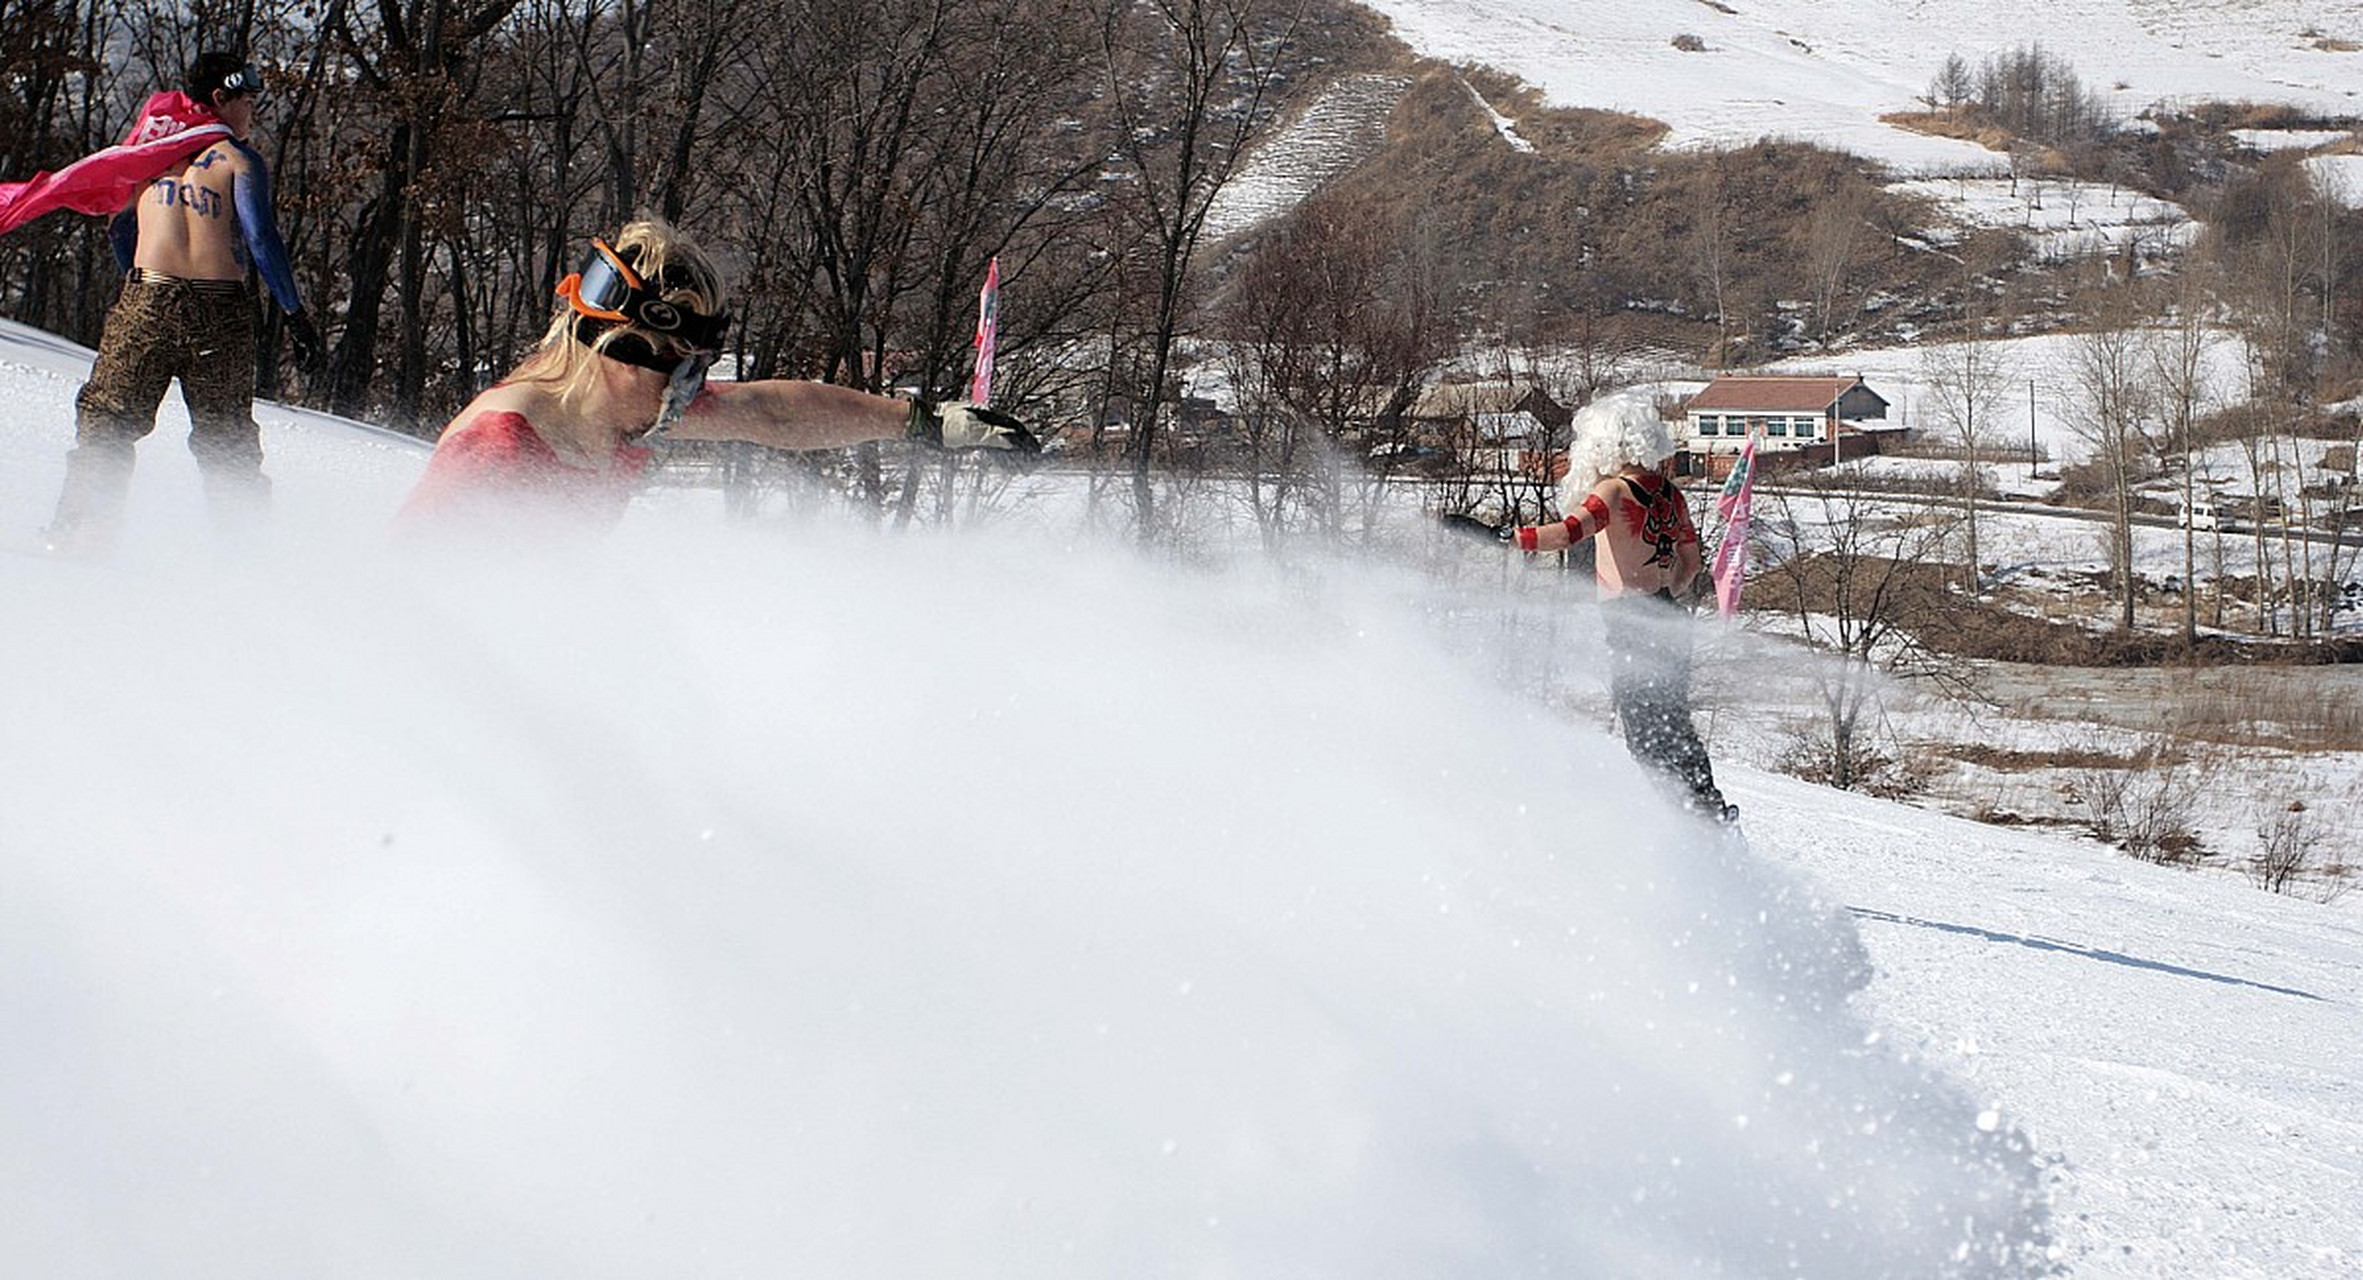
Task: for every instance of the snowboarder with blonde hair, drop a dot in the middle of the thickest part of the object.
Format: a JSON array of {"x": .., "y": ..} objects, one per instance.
[{"x": 623, "y": 363}]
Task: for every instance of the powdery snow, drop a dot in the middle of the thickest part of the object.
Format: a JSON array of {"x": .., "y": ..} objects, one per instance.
[
  {"x": 786, "y": 897},
  {"x": 2171, "y": 1039}
]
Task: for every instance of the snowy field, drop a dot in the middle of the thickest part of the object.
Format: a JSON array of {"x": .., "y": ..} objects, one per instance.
[
  {"x": 2039, "y": 373},
  {"x": 2063, "y": 219},
  {"x": 786, "y": 898},
  {"x": 1826, "y": 72},
  {"x": 2290, "y": 139},
  {"x": 2340, "y": 176}
]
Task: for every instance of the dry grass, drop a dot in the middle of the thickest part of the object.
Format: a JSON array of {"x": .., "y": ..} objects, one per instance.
[
  {"x": 1949, "y": 124},
  {"x": 2249, "y": 709},
  {"x": 2012, "y": 760}
]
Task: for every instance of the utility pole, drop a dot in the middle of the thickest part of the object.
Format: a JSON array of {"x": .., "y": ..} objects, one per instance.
[{"x": 2034, "y": 451}]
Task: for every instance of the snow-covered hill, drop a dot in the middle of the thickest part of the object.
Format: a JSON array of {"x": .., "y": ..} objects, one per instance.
[
  {"x": 1826, "y": 72},
  {"x": 786, "y": 898}
]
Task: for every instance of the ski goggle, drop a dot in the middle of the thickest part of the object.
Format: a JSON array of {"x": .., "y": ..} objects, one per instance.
[
  {"x": 604, "y": 286},
  {"x": 244, "y": 80},
  {"x": 609, "y": 288}
]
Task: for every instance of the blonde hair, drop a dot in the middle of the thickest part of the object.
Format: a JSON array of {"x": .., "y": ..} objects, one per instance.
[
  {"x": 658, "y": 252},
  {"x": 1610, "y": 434}
]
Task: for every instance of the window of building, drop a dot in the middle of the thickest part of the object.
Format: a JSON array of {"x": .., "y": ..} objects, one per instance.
[
  {"x": 1777, "y": 427},
  {"x": 1707, "y": 426}
]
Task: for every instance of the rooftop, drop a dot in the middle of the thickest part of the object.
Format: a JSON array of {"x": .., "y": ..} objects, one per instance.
[{"x": 1773, "y": 393}]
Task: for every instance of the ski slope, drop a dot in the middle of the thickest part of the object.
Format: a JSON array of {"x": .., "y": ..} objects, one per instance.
[
  {"x": 788, "y": 898},
  {"x": 1826, "y": 72}
]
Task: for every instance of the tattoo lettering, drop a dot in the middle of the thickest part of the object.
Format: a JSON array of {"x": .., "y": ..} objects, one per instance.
[{"x": 205, "y": 202}]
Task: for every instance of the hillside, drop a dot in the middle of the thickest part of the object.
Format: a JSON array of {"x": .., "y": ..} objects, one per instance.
[
  {"x": 1826, "y": 73},
  {"x": 1736, "y": 184}
]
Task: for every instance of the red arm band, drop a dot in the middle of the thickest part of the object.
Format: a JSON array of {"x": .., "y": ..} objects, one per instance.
[
  {"x": 1526, "y": 538},
  {"x": 1596, "y": 509}
]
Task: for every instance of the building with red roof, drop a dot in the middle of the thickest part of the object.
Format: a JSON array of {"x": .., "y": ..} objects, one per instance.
[{"x": 1783, "y": 412}]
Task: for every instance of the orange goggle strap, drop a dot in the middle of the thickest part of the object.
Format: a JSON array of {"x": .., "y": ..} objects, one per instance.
[
  {"x": 639, "y": 304},
  {"x": 571, "y": 288}
]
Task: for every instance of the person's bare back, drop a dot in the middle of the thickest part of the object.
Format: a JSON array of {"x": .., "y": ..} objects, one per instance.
[
  {"x": 1647, "y": 542},
  {"x": 188, "y": 219}
]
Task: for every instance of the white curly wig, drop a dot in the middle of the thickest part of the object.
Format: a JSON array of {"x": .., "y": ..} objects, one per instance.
[{"x": 1612, "y": 433}]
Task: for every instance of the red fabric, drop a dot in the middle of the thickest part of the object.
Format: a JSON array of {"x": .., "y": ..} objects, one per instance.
[
  {"x": 1529, "y": 539},
  {"x": 1597, "y": 509},
  {"x": 171, "y": 128},
  {"x": 496, "y": 461}
]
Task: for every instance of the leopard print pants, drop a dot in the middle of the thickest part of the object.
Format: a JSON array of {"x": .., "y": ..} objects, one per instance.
[{"x": 162, "y": 328}]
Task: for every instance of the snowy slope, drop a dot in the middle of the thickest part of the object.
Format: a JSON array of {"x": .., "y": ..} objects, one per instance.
[
  {"x": 2184, "y": 1047},
  {"x": 792, "y": 900},
  {"x": 1826, "y": 71},
  {"x": 366, "y": 469}
]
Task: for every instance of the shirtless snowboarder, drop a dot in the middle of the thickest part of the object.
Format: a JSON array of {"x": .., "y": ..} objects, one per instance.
[
  {"x": 1648, "y": 556},
  {"x": 186, "y": 311}
]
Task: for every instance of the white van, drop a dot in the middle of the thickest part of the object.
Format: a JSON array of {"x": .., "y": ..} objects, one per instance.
[{"x": 2200, "y": 515}]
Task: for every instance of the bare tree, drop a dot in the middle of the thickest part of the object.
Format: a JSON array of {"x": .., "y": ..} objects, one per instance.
[
  {"x": 1189, "y": 82},
  {"x": 2253, "y": 425},
  {"x": 2108, "y": 388},
  {"x": 409, "y": 66},
  {"x": 1856, "y": 579},
  {"x": 1952, "y": 84},
  {"x": 2179, "y": 359},
  {"x": 1711, "y": 250},
  {"x": 1968, "y": 383},
  {"x": 1336, "y": 325},
  {"x": 1830, "y": 251}
]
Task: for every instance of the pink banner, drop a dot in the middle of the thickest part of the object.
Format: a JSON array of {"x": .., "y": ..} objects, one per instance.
[
  {"x": 988, "y": 319},
  {"x": 1735, "y": 505},
  {"x": 170, "y": 129}
]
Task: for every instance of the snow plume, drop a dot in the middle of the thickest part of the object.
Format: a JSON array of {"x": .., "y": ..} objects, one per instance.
[{"x": 723, "y": 902}]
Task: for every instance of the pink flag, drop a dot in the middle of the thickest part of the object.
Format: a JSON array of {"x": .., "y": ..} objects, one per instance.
[
  {"x": 988, "y": 318},
  {"x": 170, "y": 129},
  {"x": 1735, "y": 505}
]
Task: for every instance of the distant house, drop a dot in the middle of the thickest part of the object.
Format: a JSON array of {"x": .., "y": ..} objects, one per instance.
[
  {"x": 1492, "y": 426},
  {"x": 1783, "y": 412}
]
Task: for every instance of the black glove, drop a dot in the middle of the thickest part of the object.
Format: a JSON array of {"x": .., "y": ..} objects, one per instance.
[
  {"x": 310, "y": 356},
  {"x": 957, "y": 424},
  {"x": 1472, "y": 527}
]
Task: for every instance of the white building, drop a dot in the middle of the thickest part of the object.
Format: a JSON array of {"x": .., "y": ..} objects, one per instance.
[{"x": 1782, "y": 411}]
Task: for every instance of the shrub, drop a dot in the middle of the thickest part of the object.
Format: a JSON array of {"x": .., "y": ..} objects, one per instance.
[
  {"x": 2146, "y": 809},
  {"x": 2289, "y": 843}
]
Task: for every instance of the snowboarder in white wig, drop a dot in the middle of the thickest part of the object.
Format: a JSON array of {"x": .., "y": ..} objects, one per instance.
[{"x": 1617, "y": 491}]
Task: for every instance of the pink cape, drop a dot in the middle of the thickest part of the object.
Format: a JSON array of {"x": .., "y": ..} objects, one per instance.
[{"x": 171, "y": 127}]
